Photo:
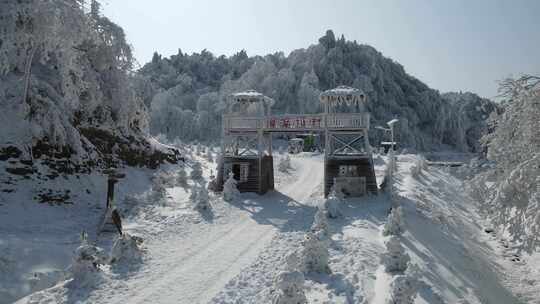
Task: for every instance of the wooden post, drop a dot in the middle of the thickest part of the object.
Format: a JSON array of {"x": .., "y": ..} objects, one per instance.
[{"x": 110, "y": 191}]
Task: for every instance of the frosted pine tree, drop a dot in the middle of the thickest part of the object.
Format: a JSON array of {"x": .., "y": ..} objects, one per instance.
[
  {"x": 395, "y": 259},
  {"x": 230, "y": 190},
  {"x": 209, "y": 156},
  {"x": 181, "y": 176},
  {"x": 315, "y": 253},
  {"x": 126, "y": 251},
  {"x": 394, "y": 222},
  {"x": 86, "y": 262},
  {"x": 331, "y": 204},
  {"x": 320, "y": 223},
  {"x": 289, "y": 284},
  {"x": 403, "y": 290},
  {"x": 196, "y": 171},
  {"x": 284, "y": 164},
  {"x": 202, "y": 200}
]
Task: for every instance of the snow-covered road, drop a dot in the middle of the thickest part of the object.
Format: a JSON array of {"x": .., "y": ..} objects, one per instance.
[{"x": 185, "y": 269}]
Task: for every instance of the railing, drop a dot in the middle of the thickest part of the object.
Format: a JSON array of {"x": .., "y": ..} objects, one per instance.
[
  {"x": 309, "y": 122},
  {"x": 347, "y": 121}
]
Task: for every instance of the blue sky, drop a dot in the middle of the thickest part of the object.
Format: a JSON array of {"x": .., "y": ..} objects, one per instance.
[{"x": 450, "y": 45}]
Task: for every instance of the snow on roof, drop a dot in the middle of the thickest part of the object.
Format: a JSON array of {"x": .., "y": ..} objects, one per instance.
[
  {"x": 343, "y": 94},
  {"x": 250, "y": 96}
]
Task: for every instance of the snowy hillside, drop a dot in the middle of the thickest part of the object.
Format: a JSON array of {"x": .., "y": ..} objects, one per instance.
[
  {"x": 186, "y": 93},
  {"x": 65, "y": 92}
]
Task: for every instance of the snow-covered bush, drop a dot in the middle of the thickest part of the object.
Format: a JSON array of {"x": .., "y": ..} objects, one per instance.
[
  {"x": 284, "y": 164},
  {"x": 403, "y": 290},
  {"x": 126, "y": 251},
  {"x": 315, "y": 253},
  {"x": 320, "y": 223},
  {"x": 420, "y": 164},
  {"x": 510, "y": 192},
  {"x": 331, "y": 204},
  {"x": 394, "y": 222},
  {"x": 209, "y": 155},
  {"x": 200, "y": 199},
  {"x": 389, "y": 172},
  {"x": 395, "y": 259},
  {"x": 196, "y": 171},
  {"x": 230, "y": 191},
  {"x": 181, "y": 176},
  {"x": 85, "y": 265},
  {"x": 289, "y": 284}
]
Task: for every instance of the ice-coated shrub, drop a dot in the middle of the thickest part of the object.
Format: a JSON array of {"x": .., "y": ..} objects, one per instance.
[
  {"x": 289, "y": 288},
  {"x": 395, "y": 259},
  {"x": 196, "y": 171},
  {"x": 320, "y": 222},
  {"x": 394, "y": 223},
  {"x": 181, "y": 176},
  {"x": 126, "y": 250},
  {"x": 386, "y": 185},
  {"x": 403, "y": 289},
  {"x": 420, "y": 164},
  {"x": 284, "y": 163},
  {"x": 201, "y": 201},
  {"x": 85, "y": 265},
  {"x": 230, "y": 190},
  {"x": 315, "y": 253},
  {"x": 331, "y": 204},
  {"x": 209, "y": 156},
  {"x": 289, "y": 284}
]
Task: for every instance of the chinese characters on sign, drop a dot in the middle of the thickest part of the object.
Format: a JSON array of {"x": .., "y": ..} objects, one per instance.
[{"x": 295, "y": 122}]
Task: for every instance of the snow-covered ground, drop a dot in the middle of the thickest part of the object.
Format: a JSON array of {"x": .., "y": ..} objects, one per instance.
[{"x": 233, "y": 253}]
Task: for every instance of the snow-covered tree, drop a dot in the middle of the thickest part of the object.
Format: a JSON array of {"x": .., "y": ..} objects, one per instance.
[
  {"x": 200, "y": 198},
  {"x": 332, "y": 203},
  {"x": 85, "y": 265},
  {"x": 403, "y": 290},
  {"x": 126, "y": 251},
  {"x": 288, "y": 287},
  {"x": 394, "y": 222},
  {"x": 420, "y": 164},
  {"x": 320, "y": 223},
  {"x": 513, "y": 145},
  {"x": 315, "y": 253},
  {"x": 209, "y": 155},
  {"x": 284, "y": 163},
  {"x": 181, "y": 176},
  {"x": 395, "y": 259},
  {"x": 230, "y": 191},
  {"x": 196, "y": 171}
]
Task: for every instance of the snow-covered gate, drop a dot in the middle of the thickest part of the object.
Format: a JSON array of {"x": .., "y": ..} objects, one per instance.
[{"x": 247, "y": 141}]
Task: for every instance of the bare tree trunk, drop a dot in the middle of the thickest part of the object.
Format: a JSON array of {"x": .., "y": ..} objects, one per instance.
[{"x": 28, "y": 73}]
